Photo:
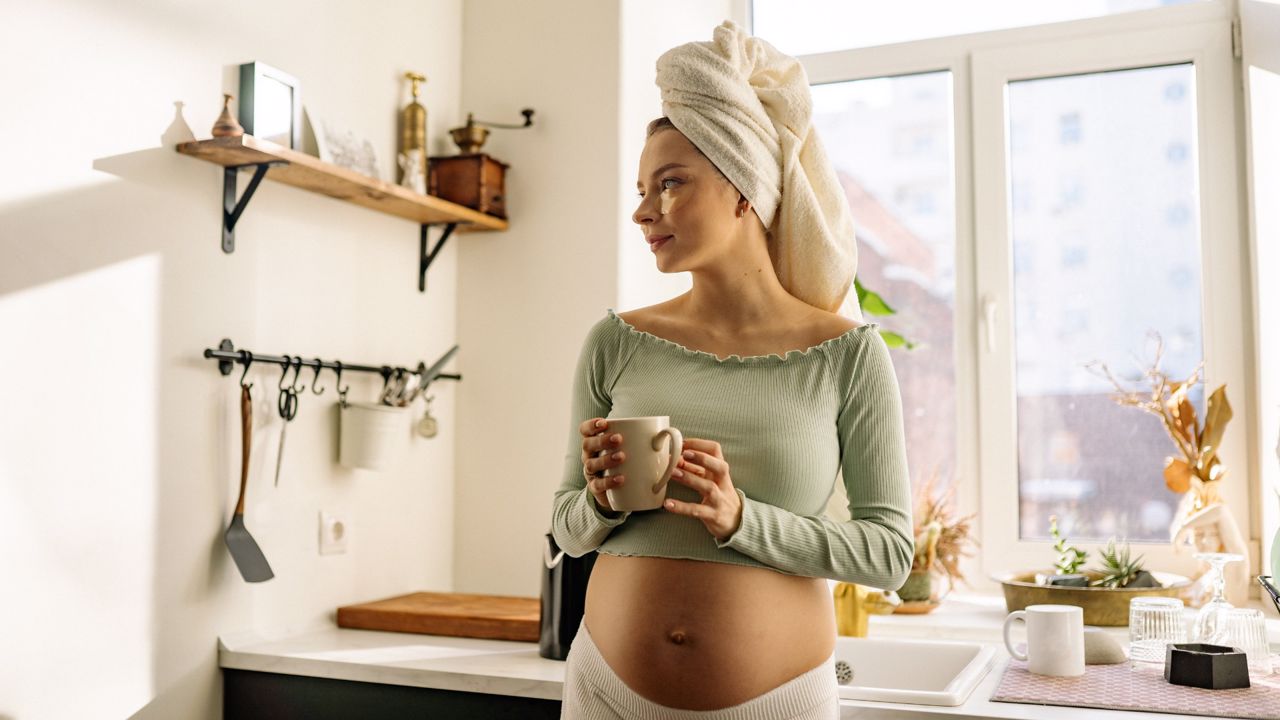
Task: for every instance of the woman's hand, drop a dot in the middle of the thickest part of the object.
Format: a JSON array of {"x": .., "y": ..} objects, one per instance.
[
  {"x": 704, "y": 469},
  {"x": 599, "y": 454}
]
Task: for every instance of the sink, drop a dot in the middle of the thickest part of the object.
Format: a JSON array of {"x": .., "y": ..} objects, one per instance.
[{"x": 918, "y": 672}]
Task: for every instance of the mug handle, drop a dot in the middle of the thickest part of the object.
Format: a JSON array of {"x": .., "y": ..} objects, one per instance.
[
  {"x": 677, "y": 447},
  {"x": 1015, "y": 615}
]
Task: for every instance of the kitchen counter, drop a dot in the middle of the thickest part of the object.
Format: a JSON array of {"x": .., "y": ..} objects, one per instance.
[{"x": 514, "y": 669}]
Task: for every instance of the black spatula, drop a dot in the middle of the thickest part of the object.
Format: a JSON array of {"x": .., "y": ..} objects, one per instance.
[{"x": 244, "y": 549}]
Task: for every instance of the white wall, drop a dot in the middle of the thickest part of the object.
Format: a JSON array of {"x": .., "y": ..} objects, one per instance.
[
  {"x": 1261, "y": 67},
  {"x": 649, "y": 29},
  {"x": 119, "y": 443},
  {"x": 527, "y": 297}
]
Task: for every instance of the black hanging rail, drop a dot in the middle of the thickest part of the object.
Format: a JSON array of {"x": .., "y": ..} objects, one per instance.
[{"x": 227, "y": 357}]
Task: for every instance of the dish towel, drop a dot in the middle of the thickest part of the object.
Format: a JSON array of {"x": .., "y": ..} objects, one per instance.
[{"x": 748, "y": 108}]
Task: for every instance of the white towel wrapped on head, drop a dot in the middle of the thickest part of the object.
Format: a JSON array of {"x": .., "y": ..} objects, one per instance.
[{"x": 748, "y": 108}]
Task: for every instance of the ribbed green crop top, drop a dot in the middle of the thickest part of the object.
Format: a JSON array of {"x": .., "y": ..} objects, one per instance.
[{"x": 789, "y": 428}]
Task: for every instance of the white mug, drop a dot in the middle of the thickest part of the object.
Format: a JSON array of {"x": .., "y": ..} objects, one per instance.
[
  {"x": 652, "y": 450},
  {"x": 1055, "y": 639}
]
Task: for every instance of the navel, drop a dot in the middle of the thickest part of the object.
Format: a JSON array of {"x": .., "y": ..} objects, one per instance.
[{"x": 677, "y": 637}]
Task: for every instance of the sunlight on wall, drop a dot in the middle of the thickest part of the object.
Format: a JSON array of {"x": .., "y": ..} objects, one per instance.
[{"x": 78, "y": 487}]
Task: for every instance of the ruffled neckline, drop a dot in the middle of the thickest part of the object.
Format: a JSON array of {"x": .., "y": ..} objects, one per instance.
[{"x": 735, "y": 358}]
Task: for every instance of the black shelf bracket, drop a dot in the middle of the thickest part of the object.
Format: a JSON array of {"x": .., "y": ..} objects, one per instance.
[
  {"x": 231, "y": 208},
  {"x": 425, "y": 258}
]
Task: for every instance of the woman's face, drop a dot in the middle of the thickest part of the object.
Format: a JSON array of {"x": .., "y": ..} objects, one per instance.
[{"x": 684, "y": 198}]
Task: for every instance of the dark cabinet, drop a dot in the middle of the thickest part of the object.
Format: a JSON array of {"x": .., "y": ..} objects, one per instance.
[{"x": 251, "y": 695}]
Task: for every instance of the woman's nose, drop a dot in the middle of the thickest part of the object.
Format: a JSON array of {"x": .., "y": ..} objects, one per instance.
[{"x": 646, "y": 211}]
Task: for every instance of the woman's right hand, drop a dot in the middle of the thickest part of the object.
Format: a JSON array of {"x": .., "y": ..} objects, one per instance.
[{"x": 600, "y": 452}]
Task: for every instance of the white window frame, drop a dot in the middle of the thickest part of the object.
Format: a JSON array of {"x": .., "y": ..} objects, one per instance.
[
  {"x": 1208, "y": 46},
  {"x": 980, "y": 64}
]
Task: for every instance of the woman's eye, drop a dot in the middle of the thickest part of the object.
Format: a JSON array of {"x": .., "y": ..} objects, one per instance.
[{"x": 663, "y": 184}]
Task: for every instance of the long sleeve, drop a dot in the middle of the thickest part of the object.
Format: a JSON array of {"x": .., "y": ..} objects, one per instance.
[
  {"x": 576, "y": 522},
  {"x": 875, "y": 547}
]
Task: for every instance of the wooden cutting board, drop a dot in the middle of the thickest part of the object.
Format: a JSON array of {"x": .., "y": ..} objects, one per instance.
[{"x": 494, "y": 617}]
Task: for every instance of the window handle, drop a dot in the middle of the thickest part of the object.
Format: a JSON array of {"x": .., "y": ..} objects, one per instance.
[{"x": 989, "y": 322}]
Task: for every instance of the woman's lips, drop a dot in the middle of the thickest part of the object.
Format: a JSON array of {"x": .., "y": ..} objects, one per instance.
[{"x": 655, "y": 244}]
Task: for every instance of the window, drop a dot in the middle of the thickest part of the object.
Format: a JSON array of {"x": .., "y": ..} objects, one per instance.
[
  {"x": 1031, "y": 200},
  {"x": 890, "y": 141},
  {"x": 1081, "y": 457}
]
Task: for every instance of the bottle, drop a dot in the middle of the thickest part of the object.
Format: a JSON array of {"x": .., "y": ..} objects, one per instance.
[{"x": 413, "y": 127}]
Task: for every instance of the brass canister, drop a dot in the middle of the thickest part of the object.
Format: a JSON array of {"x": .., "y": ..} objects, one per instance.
[{"x": 413, "y": 126}]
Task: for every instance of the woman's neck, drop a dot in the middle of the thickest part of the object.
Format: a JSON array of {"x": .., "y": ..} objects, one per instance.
[{"x": 738, "y": 299}]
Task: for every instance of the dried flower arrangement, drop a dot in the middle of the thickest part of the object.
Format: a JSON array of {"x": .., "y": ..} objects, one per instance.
[
  {"x": 942, "y": 540},
  {"x": 1199, "y": 469}
]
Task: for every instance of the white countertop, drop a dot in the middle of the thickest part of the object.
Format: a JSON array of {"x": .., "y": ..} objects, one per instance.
[{"x": 514, "y": 668}]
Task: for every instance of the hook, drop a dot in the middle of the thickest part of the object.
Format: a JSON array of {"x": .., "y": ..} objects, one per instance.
[
  {"x": 338, "y": 369},
  {"x": 246, "y": 357},
  {"x": 297, "y": 374},
  {"x": 288, "y": 364},
  {"x": 319, "y": 363}
]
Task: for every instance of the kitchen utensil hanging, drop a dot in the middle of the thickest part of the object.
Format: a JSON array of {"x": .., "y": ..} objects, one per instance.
[
  {"x": 401, "y": 386},
  {"x": 227, "y": 357},
  {"x": 244, "y": 549},
  {"x": 287, "y": 406}
]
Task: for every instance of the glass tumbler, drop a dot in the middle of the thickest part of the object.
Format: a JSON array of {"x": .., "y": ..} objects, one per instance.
[
  {"x": 1154, "y": 622},
  {"x": 1247, "y": 630}
]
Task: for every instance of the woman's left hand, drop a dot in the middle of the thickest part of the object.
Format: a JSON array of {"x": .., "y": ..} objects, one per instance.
[{"x": 704, "y": 469}]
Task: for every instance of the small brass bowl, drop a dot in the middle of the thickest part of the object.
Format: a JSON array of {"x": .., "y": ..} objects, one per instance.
[
  {"x": 469, "y": 138},
  {"x": 1102, "y": 606}
]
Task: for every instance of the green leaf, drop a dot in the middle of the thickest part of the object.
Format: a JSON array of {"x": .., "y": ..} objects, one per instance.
[
  {"x": 894, "y": 340},
  {"x": 870, "y": 301}
]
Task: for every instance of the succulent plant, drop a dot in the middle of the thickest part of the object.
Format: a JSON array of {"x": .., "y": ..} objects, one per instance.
[{"x": 1117, "y": 569}]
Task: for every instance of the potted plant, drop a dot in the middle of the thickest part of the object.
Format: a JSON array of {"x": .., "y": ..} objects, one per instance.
[
  {"x": 942, "y": 539},
  {"x": 1103, "y": 593}
]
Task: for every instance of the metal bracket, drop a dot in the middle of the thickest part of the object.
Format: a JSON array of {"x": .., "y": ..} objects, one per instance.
[
  {"x": 425, "y": 258},
  {"x": 231, "y": 209},
  {"x": 224, "y": 366}
]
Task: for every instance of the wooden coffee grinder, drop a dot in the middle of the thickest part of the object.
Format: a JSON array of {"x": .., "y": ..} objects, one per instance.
[{"x": 472, "y": 178}]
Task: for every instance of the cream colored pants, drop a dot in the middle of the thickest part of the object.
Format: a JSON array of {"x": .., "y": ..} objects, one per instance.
[{"x": 593, "y": 692}]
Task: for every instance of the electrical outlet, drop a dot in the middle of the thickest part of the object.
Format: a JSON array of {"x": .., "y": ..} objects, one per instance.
[{"x": 333, "y": 534}]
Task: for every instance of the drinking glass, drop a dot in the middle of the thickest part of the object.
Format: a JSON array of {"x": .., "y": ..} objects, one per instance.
[
  {"x": 1154, "y": 622},
  {"x": 1247, "y": 630},
  {"x": 1211, "y": 622}
]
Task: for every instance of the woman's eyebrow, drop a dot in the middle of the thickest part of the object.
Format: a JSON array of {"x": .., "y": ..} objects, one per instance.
[{"x": 663, "y": 169}]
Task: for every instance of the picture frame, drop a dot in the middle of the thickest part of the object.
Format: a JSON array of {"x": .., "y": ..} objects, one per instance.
[
  {"x": 271, "y": 104},
  {"x": 342, "y": 147}
]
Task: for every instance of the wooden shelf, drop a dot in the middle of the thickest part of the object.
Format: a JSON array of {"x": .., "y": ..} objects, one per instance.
[{"x": 310, "y": 173}]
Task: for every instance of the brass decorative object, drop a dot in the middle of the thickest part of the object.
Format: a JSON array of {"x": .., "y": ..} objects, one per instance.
[
  {"x": 413, "y": 132},
  {"x": 226, "y": 125},
  {"x": 471, "y": 137}
]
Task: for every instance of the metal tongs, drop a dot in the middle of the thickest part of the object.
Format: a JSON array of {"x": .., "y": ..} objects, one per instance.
[
  {"x": 1268, "y": 583},
  {"x": 401, "y": 387}
]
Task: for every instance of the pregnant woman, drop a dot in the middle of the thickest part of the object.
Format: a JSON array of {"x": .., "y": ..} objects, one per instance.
[{"x": 716, "y": 604}]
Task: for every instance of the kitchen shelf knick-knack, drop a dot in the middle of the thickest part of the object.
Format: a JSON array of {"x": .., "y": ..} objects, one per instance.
[{"x": 226, "y": 125}]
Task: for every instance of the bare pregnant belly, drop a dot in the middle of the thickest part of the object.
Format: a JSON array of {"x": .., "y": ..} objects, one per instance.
[{"x": 699, "y": 635}]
